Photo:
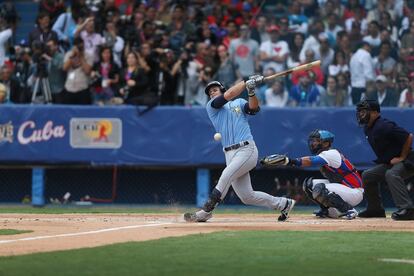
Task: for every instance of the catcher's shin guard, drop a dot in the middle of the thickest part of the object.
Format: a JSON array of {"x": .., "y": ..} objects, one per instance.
[
  {"x": 213, "y": 200},
  {"x": 329, "y": 199}
]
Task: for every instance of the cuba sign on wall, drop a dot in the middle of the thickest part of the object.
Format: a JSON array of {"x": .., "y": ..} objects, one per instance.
[{"x": 96, "y": 133}]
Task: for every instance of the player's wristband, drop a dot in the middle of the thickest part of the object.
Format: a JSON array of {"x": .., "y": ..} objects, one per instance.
[
  {"x": 297, "y": 162},
  {"x": 251, "y": 94}
]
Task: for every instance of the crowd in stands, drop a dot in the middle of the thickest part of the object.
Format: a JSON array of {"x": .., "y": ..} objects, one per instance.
[{"x": 165, "y": 51}]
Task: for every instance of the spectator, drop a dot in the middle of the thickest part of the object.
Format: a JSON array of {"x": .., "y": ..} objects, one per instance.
[
  {"x": 114, "y": 41},
  {"x": 261, "y": 89},
  {"x": 179, "y": 28},
  {"x": 5, "y": 35},
  {"x": 273, "y": 53},
  {"x": 361, "y": 68},
  {"x": 325, "y": 53},
  {"x": 338, "y": 65},
  {"x": 373, "y": 37},
  {"x": 304, "y": 94},
  {"x": 312, "y": 42},
  {"x": 91, "y": 39},
  {"x": 384, "y": 64},
  {"x": 344, "y": 45},
  {"x": 105, "y": 74},
  {"x": 53, "y": 8},
  {"x": 285, "y": 33},
  {"x": 332, "y": 28},
  {"x": 293, "y": 58},
  {"x": 277, "y": 95},
  {"x": 134, "y": 82},
  {"x": 66, "y": 23},
  {"x": 298, "y": 22},
  {"x": 407, "y": 42},
  {"x": 386, "y": 23},
  {"x": 42, "y": 33},
  {"x": 14, "y": 93},
  {"x": 227, "y": 73},
  {"x": 3, "y": 93},
  {"x": 383, "y": 95},
  {"x": 78, "y": 65},
  {"x": 260, "y": 33},
  {"x": 318, "y": 75},
  {"x": 407, "y": 95},
  {"x": 165, "y": 81},
  {"x": 57, "y": 75},
  {"x": 333, "y": 95},
  {"x": 244, "y": 53}
]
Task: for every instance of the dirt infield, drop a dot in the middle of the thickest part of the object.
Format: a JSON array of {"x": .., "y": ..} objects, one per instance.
[{"x": 69, "y": 231}]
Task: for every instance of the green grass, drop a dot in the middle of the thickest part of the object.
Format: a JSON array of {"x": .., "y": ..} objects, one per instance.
[
  {"x": 231, "y": 253},
  {"x": 13, "y": 231},
  {"x": 141, "y": 209}
]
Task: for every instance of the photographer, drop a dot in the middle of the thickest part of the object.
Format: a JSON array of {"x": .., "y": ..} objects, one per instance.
[
  {"x": 105, "y": 76},
  {"x": 42, "y": 33},
  {"x": 78, "y": 65},
  {"x": 135, "y": 82}
]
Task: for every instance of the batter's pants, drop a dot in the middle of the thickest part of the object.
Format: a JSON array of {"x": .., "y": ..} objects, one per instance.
[{"x": 236, "y": 174}]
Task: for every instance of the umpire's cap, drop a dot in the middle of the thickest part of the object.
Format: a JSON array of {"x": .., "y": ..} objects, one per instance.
[
  {"x": 371, "y": 105},
  {"x": 214, "y": 83}
]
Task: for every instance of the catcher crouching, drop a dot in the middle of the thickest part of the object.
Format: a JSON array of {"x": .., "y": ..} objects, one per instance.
[{"x": 341, "y": 191}]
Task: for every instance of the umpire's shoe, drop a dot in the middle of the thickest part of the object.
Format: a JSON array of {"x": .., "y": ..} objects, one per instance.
[
  {"x": 285, "y": 212},
  {"x": 380, "y": 213},
  {"x": 199, "y": 216},
  {"x": 403, "y": 214}
]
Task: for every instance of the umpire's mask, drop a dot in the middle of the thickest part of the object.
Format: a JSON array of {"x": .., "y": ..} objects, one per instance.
[{"x": 363, "y": 111}]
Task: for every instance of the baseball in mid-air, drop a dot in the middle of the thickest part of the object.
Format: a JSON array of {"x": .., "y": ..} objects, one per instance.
[{"x": 217, "y": 136}]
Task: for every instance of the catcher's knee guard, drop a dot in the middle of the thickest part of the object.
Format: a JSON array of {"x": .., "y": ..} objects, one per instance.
[
  {"x": 213, "y": 200},
  {"x": 329, "y": 199},
  {"x": 307, "y": 187}
]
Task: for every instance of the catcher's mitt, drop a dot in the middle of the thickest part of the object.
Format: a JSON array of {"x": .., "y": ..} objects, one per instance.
[{"x": 275, "y": 160}]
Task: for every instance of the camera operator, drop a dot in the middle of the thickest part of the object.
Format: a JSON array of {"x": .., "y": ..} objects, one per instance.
[
  {"x": 43, "y": 32},
  {"x": 78, "y": 65},
  {"x": 186, "y": 70}
]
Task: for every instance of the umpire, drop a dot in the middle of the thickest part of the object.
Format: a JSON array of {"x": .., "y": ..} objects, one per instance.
[{"x": 395, "y": 162}]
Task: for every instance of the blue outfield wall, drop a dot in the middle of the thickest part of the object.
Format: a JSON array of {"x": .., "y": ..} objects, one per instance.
[{"x": 167, "y": 136}]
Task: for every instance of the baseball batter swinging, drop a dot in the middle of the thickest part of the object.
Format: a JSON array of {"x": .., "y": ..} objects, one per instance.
[{"x": 229, "y": 117}]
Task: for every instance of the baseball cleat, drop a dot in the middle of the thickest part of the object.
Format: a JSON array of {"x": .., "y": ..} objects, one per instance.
[
  {"x": 351, "y": 214},
  {"x": 285, "y": 212},
  {"x": 200, "y": 216}
]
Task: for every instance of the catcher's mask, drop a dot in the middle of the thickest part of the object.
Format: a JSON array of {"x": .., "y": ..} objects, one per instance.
[
  {"x": 317, "y": 139},
  {"x": 212, "y": 84},
  {"x": 363, "y": 110}
]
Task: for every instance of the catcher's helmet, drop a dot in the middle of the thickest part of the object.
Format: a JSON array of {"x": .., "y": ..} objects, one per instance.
[
  {"x": 363, "y": 109},
  {"x": 317, "y": 138},
  {"x": 214, "y": 83}
]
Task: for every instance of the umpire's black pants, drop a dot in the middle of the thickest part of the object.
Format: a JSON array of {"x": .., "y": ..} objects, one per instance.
[{"x": 394, "y": 176}]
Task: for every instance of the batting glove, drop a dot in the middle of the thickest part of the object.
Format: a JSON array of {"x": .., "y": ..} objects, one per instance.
[
  {"x": 257, "y": 79},
  {"x": 251, "y": 88}
]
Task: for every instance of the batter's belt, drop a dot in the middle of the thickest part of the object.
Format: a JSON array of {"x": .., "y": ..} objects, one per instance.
[{"x": 236, "y": 146}]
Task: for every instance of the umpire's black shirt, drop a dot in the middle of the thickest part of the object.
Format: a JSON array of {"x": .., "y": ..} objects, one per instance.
[{"x": 386, "y": 139}]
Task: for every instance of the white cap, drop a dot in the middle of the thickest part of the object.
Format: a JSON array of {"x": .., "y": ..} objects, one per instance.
[{"x": 381, "y": 78}]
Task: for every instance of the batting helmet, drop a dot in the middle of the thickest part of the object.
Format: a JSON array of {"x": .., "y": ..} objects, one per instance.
[
  {"x": 317, "y": 138},
  {"x": 214, "y": 83}
]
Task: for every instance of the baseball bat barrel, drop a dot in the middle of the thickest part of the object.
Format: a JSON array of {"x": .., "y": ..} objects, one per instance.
[{"x": 303, "y": 67}]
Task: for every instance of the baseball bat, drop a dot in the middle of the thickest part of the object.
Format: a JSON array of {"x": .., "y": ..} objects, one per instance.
[{"x": 303, "y": 67}]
